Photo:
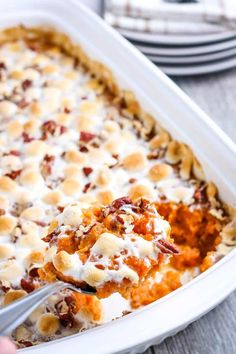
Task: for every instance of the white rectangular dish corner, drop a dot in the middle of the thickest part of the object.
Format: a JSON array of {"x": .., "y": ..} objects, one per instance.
[{"x": 179, "y": 115}]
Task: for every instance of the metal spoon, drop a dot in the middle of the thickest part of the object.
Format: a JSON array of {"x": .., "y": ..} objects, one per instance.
[{"x": 14, "y": 314}]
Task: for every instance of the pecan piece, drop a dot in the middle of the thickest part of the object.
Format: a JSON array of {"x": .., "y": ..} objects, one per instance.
[
  {"x": 2, "y": 212},
  {"x": 26, "y": 84},
  {"x": 3, "y": 66},
  {"x": 200, "y": 195},
  {"x": 13, "y": 174},
  {"x": 71, "y": 303},
  {"x": 166, "y": 247},
  {"x": 86, "y": 136},
  {"x": 33, "y": 273},
  {"x": 118, "y": 203},
  {"x": 132, "y": 180},
  {"x": 87, "y": 187},
  {"x": 87, "y": 171},
  {"x": 14, "y": 152},
  {"x": 23, "y": 103},
  {"x": 25, "y": 343},
  {"x": 26, "y": 138},
  {"x": 63, "y": 129},
  {"x": 67, "y": 110},
  {"x": 66, "y": 319},
  {"x": 50, "y": 127},
  {"x": 27, "y": 285},
  {"x": 46, "y": 165},
  {"x": 83, "y": 149}
]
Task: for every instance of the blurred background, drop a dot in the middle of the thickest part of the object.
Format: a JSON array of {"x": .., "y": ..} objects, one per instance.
[
  {"x": 183, "y": 37},
  {"x": 193, "y": 42}
]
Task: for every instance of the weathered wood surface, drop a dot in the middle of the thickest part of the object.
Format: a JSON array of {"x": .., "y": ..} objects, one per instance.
[{"x": 215, "y": 333}]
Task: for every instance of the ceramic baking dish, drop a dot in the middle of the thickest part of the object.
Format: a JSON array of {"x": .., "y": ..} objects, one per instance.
[{"x": 184, "y": 120}]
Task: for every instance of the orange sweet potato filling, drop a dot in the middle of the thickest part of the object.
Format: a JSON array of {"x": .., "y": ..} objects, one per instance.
[
  {"x": 147, "y": 293},
  {"x": 197, "y": 233},
  {"x": 88, "y": 305},
  {"x": 197, "y": 229}
]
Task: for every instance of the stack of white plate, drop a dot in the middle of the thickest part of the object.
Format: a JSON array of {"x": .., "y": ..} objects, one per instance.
[
  {"x": 204, "y": 46},
  {"x": 185, "y": 54}
]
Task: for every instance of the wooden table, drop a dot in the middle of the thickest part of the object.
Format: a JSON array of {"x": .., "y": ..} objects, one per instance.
[{"x": 215, "y": 333}]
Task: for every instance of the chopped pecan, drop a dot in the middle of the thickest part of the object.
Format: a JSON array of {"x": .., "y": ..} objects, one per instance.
[
  {"x": 52, "y": 237},
  {"x": 33, "y": 273},
  {"x": 115, "y": 156},
  {"x": 3, "y": 287},
  {"x": 50, "y": 127},
  {"x": 87, "y": 171},
  {"x": 200, "y": 195},
  {"x": 41, "y": 223},
  {"x": 86, "y": 136},
  {"x": 142, "y": 204},
  {"x": 118, "y": 203},
  {"x": 26, "y": 138},
  {"x": 46, "y": 165},
  {"x": 23, "y": 103},
  {"x": 2, "y": 212},
  {"x": 63, "y": 129},
  {"x": 60, "y": 209},
  {"x": 83, "y": 149},
  {"x": 95, "y": 145},
  {"x": 67, "y": 319},
  {"x": 87, "y": 187},
  {"x": 3, "y": 66},
  {"x": 115, "y": 205},
  {"x": 14, "y": 152},
  {"x": 26, "y": 84},
  {"x": 132, "y": 180},
  {"x": 108, "y": 210},
  {"x": 120, "y": 219},
  {"x": 67, "y": 110},
  {"x": 167, "y": 247},
  {"x": 27, "y": 285},
  {"x": 76, "y": 62},
  {"x": 13, "y": 174},
  {"x": 25, "y": 343},
  {"x": 71, "y": 303}
]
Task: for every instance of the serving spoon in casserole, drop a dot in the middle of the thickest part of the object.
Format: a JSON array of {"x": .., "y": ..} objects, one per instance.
[
  {"x": 17, "y": 312},
  {"x": 97, "y": 250}
]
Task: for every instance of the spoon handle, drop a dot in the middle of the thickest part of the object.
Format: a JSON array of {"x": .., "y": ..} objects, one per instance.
[{"x": 14, "y": 314}]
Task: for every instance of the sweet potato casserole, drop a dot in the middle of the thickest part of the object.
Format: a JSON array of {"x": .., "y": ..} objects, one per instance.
[{"x": 89, "y": 184}]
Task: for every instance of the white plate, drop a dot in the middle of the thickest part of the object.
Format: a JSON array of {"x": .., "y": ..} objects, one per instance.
[
  {"x": 193, "y": 59},
  {"x": 190, "y": 50},
  {"x": 197, "y": 69},
  {"x": 162, "y": 98},
  {"x": 176, "y": 39}
]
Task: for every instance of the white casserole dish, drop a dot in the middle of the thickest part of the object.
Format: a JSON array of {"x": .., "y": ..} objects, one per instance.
[{"x": 185, "y": 121}]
